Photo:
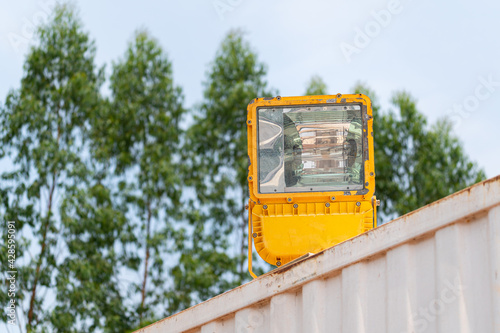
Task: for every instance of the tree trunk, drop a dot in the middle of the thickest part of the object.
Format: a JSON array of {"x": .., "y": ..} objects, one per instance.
[
  {"x": 146, "y": 262},
  {"x": 42, "y": 253},
  {"x": 45, "y": 227}
]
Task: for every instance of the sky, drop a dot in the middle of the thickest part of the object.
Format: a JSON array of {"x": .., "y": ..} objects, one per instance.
[{"x": 445, "y": 53}]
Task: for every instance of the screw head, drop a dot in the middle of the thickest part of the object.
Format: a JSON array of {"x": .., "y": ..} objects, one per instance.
[
  {"x": 249, "y": 121},
  {"x": 265, "y": 207},
  {"x": 366, "y": 184},
  {"x": 278, "y": 97},
  {"x": 371, "y": 174},
  {"x": 289, "y": 199},
  {"x": 278, "y": 263},
  {"x": 358, "y": 203},
  {"x": 333, "y": 198},
  {"x": 250, "y": 178},
  {"x": 327, "y": 204},
  {"x": 254, "y": 235},
  {"x": 295, "y": 206}
]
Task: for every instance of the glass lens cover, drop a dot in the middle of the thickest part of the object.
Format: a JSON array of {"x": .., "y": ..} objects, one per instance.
[{"x": 310, "y": 148}]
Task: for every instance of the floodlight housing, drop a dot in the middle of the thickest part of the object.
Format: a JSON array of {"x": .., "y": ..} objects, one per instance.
[{"x": 311, "y": 175}]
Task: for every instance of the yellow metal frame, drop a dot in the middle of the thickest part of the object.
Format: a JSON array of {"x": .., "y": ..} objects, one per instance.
[{"x": 285, "y": 226}]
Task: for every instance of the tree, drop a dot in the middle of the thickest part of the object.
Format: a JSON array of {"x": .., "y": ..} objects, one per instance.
[
  {"x": 217, "y": 164},
  {"x": 45, "y": 127},
  {"x": 89, "y": 295},
  {"x": 143, "y": 139},
  {"x": 316, "y": 86},
  {"x": 426, "y": 164},
  {"x": 415, "y": 164}
]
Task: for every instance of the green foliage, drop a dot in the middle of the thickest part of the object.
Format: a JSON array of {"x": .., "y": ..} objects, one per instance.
[
  {"x": 416, "y": 164},
  {"x": 316, "y": 86},
  {"x": 143, "y": 140},
  {"x": 199, "y": 276},
  {"x": 88, "y": 290},
  {"x": 217, "y": 162},
  {"x": 44, "y": 130},
  {"x": 235, "y": 78}
]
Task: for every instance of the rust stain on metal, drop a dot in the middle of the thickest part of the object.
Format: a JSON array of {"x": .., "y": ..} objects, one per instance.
[{"x": 305, "y": 278}]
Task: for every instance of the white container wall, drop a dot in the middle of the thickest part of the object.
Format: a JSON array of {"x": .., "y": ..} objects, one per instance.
[{"x": 436, "y": 269}]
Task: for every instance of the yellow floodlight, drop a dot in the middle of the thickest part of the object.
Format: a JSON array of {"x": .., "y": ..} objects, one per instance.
[{"x": 311, "y": 174}]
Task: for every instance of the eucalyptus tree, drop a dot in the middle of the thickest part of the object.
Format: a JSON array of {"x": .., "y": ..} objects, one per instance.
[
  {"x": 143, "y": 137},
  {"x": 316, "y": 86},
  {"x": 217, "y": 164},
  {"x": 44, "y": 132},
  {"x": 415, "y": 163},
  {"x": 89, "y": 291}
]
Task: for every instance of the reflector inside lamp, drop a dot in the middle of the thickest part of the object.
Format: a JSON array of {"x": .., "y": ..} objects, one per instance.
[{"x": 310, "y": 148}]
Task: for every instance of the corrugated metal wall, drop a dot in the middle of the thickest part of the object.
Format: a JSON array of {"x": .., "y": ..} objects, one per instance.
[{"x": 434, "y": 270}]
